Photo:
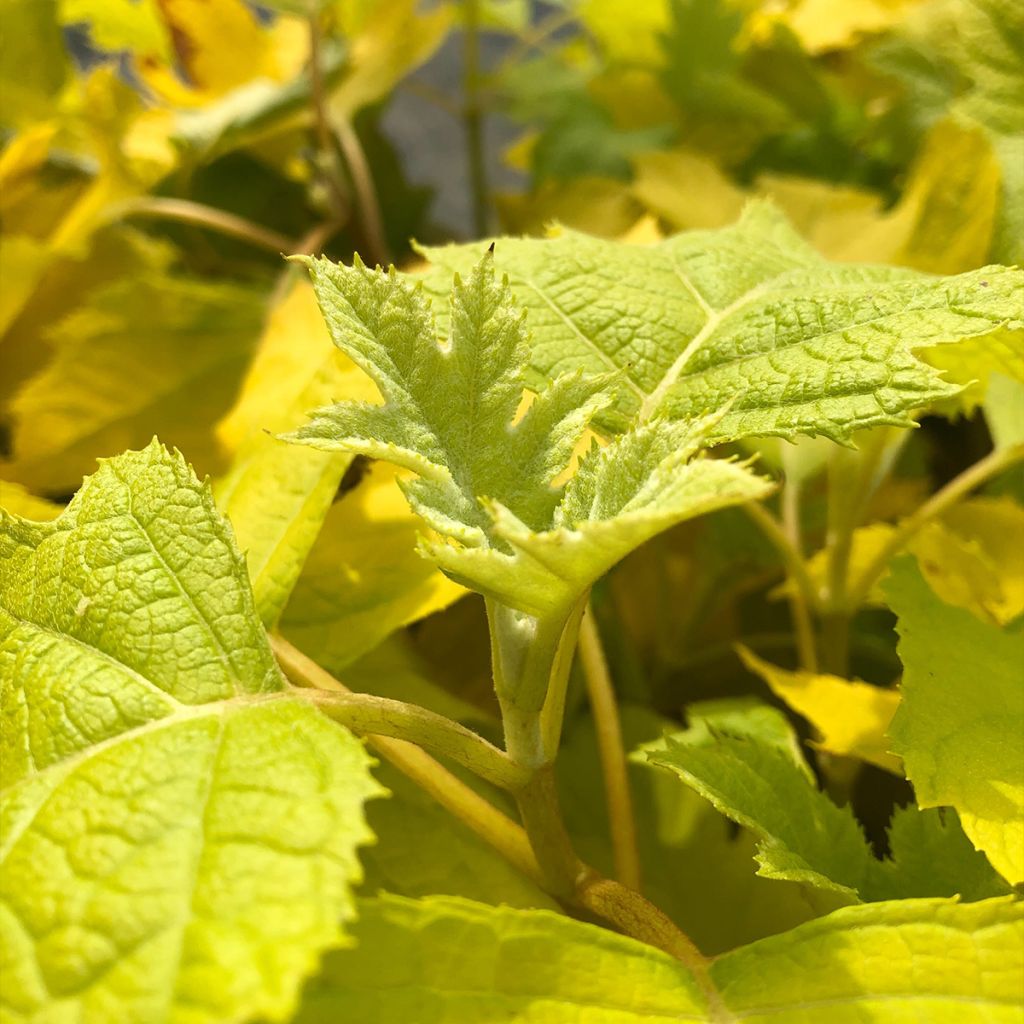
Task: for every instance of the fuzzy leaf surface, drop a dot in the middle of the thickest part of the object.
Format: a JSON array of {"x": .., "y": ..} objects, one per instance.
[
  {"x": 748, "y": 319},
  {"x": 451, "y": 414},
  {"x": 179, "y": 832},
  {"x": 452, "y": 961}
]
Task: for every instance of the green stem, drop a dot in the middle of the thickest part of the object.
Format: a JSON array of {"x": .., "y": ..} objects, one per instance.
[
  {"x": 472, "y": 117},
  {"x": 605, "y": 711},
  {"x": 187, "y": 212},
  {"x": 329, "y": 164},
  {"x": 800, "y": 613},
  {"x": 365, "y": 713},
  {"x": 994, "y": 463},
  {"x": 625, "y": 910}
]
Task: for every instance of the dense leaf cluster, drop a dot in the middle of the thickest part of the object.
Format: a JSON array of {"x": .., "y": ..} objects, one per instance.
[{"x": 618, "y": 617}]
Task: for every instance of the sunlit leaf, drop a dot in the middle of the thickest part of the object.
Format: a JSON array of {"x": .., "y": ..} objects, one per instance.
[
  {"x": 461, "y": 961},
  {"x": 154, "y": 354},
  {"x": 179, "y": 832}
]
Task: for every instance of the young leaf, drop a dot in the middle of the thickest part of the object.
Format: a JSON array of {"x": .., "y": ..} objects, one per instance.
[
  {"x": 746, "y": 762},
  {"x": 961, "y": 716},
  {"x": 889, "y": 963},
  {"x": 747, "y": 319},
  {"x": 486, "y": 477},
  {"x": 179, "y": 833}
]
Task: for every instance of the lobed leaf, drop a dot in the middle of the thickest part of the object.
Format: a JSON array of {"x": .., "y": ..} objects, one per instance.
[
  {"x": 451, "y": 414},
  {"x": 179, "y": 832},
  {"x": 747, "y": 319}
]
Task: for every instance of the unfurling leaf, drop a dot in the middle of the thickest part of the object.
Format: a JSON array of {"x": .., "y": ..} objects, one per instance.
[
  {"x": 179, "y": 832},
  {"x": 451, "y": 414}
]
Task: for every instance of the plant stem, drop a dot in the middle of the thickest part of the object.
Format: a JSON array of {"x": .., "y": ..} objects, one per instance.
[
  {"x": 365, "y": 713},
  {"x": 328, "y": 158},
  {"x": 994, "y": 463},
  {"x": 472, "y": 116},
  {"x": 798, "y": 609},
  {"x": 626, "y": 910},
  {"x": 188, "y": 212},
  {"x": 366, "y": 192},
  {"x": 604, "y": 708},
  {"x": 639, "y": 918}
]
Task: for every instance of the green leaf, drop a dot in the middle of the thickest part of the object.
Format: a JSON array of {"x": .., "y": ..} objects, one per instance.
[
  {"x": 890, "y": 963},
  {"x": 961, "y": 716},
  {"x": 765, "y": 785},
  {"x": 179, "y": 831},
  {"x": 447, "y": 959},
  {"x": 450, "y": 414},
  {"x": 696, "y": 866},
  {"x": 747, "y": 321},
  {"x": 745, "y": 761}
]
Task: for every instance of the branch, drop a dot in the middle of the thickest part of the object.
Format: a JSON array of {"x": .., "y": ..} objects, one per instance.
[
  {"x": 365, "y": 713},
  {"x": 188, "y": 212},
  {"x": 622, "y": 822}
]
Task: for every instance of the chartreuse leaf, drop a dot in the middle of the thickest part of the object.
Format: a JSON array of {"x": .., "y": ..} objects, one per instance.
[
  {"x": 451, "y": 960},
  {"x": 746, "y": 762},
  {"x": 852, "y": 718},
  {"x": 451, "y": 415},
  {"x": 179, "y": 832},
  {"x": 961, "y": 717},
  {"x": 747, "y": 319}
]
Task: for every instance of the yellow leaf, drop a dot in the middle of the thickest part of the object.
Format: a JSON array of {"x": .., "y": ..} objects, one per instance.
[
  {"x": 364, "y": 578},
  {"x": 598, "y": 206},
  {"x": 148, "y": 355},
  {"x": 204, "y": 68},
  {"x": 943, "y": 223},
  {"x": 21, "y": 502},
  {"x": 851, "y": 718},
  {"x": 687, "y": 190},
  {"x": 388, "y": 40},
  {"x": 972, "y": 558},
  {"x": 823, "y": 25},
  {"x": 641, "y": 43},
  {"x": 275, "y": 494}
]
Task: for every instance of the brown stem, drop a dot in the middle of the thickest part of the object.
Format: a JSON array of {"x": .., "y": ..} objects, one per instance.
[
  {"x": 188, "y": 212},
  {"x": 366, "y": 192}
]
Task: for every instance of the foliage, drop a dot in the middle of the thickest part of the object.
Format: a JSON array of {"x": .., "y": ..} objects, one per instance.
[{"x": 606, "y": 607}]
